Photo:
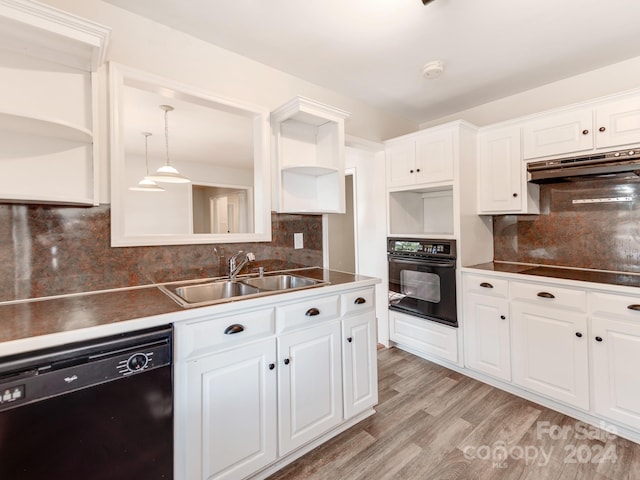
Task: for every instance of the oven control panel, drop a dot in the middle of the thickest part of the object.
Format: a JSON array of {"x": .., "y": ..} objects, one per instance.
[{"x": 421, "y": 247}]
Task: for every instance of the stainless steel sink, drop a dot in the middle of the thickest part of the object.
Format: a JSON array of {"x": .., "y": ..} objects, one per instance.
[
  {"x": 280, "y": 282},
  {"x": 206, "y": 293},
  {"x": 200, "y": 294}
]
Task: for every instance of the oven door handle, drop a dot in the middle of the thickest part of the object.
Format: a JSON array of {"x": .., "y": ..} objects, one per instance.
[{"x": 425, "y": 263}]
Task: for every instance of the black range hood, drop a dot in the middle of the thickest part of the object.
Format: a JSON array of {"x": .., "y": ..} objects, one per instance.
[{"x": 611, "y": 165}]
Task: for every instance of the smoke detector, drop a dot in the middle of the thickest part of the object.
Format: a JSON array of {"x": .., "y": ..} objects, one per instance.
[{"x": 433, "y": 69}]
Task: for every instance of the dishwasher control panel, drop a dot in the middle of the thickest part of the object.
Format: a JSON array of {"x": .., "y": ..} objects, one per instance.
[{"x": 12, "y": 394}]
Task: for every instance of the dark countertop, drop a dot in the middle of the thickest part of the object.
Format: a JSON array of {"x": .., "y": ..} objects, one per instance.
[
  {"x": 581, "y": 275},
  {"x": 111, "y": 311}
]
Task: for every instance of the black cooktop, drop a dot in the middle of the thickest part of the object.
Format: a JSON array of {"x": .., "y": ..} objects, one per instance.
[{"x": 628, "y": 280}]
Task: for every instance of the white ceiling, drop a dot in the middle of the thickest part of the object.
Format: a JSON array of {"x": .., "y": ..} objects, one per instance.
[{"x": 374, "y": 50}]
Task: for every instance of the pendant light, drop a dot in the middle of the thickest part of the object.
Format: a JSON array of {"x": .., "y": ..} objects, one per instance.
[
  {"x": 167, "y": 173},
  {"x": 146, "y": 184}
]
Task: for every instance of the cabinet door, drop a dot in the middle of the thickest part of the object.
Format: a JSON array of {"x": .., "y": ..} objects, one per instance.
[
  {"x": 401, "y": 164},
  {"x": 309, "y": 384},
  {"x": 616, "y": 378},
  {"x": 359, "y": 363},
  {"x": 487, "y": 335},
  {"x": 501, "y": 172},
  {"x": 618, "y": 123},
  {"x": 558, "y": 134},
  {"x": 434, "y": 157},
  {"x": 549, "y": 352},
  {"x": 231, "y": 412}
]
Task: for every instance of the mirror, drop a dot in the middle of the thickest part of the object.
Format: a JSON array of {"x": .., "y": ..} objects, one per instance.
[{"x": 220, "y": 144}]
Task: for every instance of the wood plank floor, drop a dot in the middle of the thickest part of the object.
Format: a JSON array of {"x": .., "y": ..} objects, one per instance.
[{"x": 433, "y": 423}]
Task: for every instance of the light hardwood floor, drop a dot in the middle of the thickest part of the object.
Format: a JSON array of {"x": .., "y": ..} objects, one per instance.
[{"x": 436, "y": 424}]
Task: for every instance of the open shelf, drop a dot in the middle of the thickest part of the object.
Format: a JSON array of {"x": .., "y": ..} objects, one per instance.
[
  {"x": 44, "y": 127},
  {"x": 311, "y": 170},
  {"x": 309, "y": 157}
]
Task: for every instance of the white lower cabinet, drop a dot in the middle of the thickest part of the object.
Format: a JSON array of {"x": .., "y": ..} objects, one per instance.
[
  {"x": 310, "y": 384},
  {"x": 254, "y": 387},
  {"x": 232, "y": 412},
  {"x": 571, "y": 344},
  {"x": 549, "y": 352},
  {"x": 424, "y": 336},
  {"x": 487, "y": 335},
  {"x": 359, "y": 363},
  {"x": 615, "y": 347}
]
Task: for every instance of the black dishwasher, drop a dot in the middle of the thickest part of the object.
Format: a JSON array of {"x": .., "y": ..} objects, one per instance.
[{"x": 101, "y": 409}]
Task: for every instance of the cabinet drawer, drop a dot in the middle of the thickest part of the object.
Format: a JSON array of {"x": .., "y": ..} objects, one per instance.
[
  {"x": 209, "y": 335},
  {"x": 357, "y": 301},
  {"x": 482, "y": 285},
  {"x": 549, "y": 295},
  {"x": 308, "y": 312},
  {"x": 619, "y": 306},
  {"x": 425, "y": 336}
]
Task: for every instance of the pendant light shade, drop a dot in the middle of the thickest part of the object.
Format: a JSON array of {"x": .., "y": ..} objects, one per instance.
[
  {"x": 146, "y": 184},
  {"x": 167, "y": 173}
]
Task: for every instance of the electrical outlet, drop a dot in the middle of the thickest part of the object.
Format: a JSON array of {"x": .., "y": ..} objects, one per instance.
[{"x": 298, "y": 241}]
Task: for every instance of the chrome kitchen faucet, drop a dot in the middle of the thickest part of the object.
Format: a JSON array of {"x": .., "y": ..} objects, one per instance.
[{"x": 235, "y": 267}]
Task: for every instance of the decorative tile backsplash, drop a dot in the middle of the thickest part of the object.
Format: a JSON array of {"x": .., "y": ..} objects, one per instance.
[
  {"x": 50, "y": 250},
  {"x": 603, "y": 235}
]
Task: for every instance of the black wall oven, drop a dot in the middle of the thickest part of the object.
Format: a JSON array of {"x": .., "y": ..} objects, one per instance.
[{"x": 422, "y": 278}]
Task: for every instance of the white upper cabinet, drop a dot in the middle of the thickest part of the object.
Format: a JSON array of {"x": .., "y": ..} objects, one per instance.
[
  {"x": 558, "y": 133},
  {"x": 48, "y": 104},
  {"x": 425, "y": 158},
  {"x": 308, "y": 163},
  {"x": 618, "y": 123},
  {"x": 502, "y": 177},
  {"x": 605, "y": 124}
]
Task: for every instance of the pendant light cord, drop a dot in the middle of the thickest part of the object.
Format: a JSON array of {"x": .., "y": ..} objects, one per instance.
[
  {"x": 146, "y": 150},
  {"x": 166, "y": 133}
]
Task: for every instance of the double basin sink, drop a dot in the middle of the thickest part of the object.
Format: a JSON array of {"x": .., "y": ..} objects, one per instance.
[{"x": 192, "y": 295}]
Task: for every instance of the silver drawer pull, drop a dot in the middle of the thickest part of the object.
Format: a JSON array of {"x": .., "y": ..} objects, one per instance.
[
  {"x": 235, "y": 328},
  {"x": 546, "y": 295},
  {"x": 486, "y": 285},
  {"x": 635, "y": 307}
]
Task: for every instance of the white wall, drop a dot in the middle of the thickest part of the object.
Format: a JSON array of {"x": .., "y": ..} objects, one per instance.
[
  {"x": 149, "y": 46},
  {"x": 604, "y": 81},
  {"x": 371, "y": 218}
]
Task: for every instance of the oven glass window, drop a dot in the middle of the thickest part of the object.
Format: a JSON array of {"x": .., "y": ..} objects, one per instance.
[{"x": 421, "y": 285}]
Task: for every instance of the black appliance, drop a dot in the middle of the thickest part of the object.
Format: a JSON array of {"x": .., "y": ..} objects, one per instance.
[
  {"x": 101, "y": 409},
  {"x": 422, "y": 278},
  {"x": 621, "y": 164}
]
